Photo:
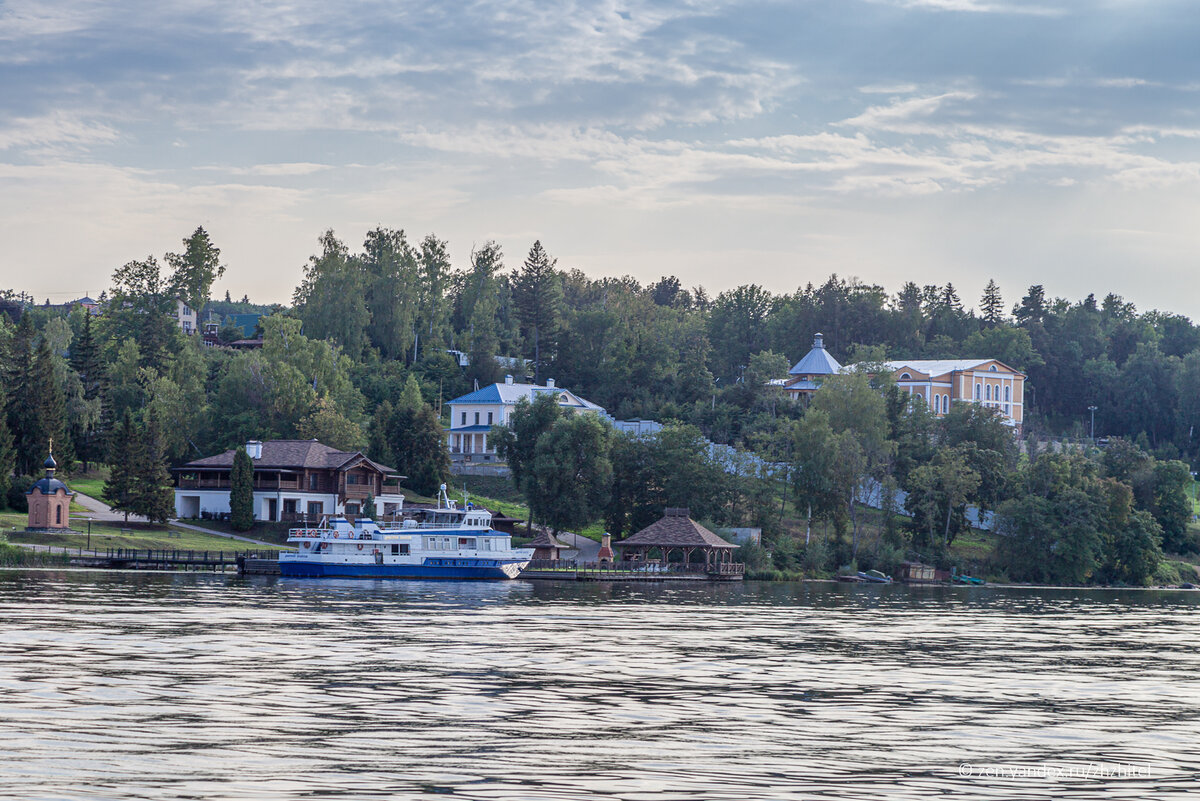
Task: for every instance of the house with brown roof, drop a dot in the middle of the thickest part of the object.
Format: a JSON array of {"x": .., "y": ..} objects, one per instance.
[{"x": 294, "y": 481}]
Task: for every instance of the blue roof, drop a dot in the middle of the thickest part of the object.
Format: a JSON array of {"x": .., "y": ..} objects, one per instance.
[
  {"x": 511, "y": 393},
  {"x": 817, "y": 362},
  {"x": 470, "y": 429}
]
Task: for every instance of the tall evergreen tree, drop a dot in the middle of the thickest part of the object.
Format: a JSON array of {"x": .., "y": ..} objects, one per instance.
[
  {"x": 47, "y": 418},
  {"x": 125, "y": 454},
  {"x": 152, "y": 496},
  {"x": 992, "y": 304},
  {"x": 85, "y": 361},
  {"x": 418, "y": 444},
  {"x": 537, "y": 291},
  {"x": 241, "y": 491}
]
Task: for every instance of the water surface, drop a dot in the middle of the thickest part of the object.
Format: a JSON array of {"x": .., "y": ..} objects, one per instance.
[{"x": 137, "y": 685}]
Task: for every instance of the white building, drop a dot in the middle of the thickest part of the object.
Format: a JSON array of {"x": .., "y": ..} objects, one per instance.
[
  {"x": 473, "y": 415},
  {"x": 294, "y": 480}
]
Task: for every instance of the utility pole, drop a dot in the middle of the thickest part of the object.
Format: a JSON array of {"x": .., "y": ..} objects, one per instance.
[{"x": 1092, "y": 409}]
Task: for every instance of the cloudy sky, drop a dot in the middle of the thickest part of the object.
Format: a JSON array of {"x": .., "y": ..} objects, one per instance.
[{"x": 1033, "y": 141}]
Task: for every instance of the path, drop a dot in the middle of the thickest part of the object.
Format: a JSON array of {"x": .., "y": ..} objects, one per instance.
[{"x": 98, "y": 510}]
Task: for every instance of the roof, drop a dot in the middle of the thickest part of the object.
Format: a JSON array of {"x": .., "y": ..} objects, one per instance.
[
  {"x": 818, "y": 361},
  {"x": 545, "y": 539},
  {"x": 48, "y": 486},
  {"x": 675, "y": 530},
  {"x": 934, "y": 367},
  {"x": 290, "y": 453},
  {"x": 511, "y": 393},
  {"x": 470, "y": 429}
]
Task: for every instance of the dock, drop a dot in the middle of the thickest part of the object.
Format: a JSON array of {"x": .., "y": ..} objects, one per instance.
[{"x": 159, "y": 559}]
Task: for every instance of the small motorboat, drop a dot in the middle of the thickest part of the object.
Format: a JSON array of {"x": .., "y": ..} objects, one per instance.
[
  {"x": 874, "y": 577},
  {"x": 968, "y": 580}
]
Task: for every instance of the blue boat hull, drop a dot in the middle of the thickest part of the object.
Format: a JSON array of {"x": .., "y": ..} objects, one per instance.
[{"x": 472, "y": 569}]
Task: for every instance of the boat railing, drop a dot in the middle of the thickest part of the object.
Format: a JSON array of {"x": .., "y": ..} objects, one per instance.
[{"x": 358, "y": 534}]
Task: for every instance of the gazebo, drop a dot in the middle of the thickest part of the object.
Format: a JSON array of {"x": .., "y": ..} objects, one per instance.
[
  {"x": 546, "y": 546},
  {"x": 676, "y": 531}
]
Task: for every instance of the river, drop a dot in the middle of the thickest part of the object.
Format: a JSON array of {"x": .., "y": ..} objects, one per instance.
[{"x": 155, "y": 686}]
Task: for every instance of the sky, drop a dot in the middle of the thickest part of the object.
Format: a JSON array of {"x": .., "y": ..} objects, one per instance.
[{"x": 1026, "y": 141}]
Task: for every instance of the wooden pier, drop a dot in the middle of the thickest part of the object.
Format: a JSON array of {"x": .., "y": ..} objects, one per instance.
[{"x": 156, "y": 559}]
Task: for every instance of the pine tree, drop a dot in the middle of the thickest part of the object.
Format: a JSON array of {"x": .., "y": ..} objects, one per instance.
[
  {"x": 18, "y": 379},
  {"x": 992, "y": 304},
  {"x": 85, "y": 361},
  {"x": 124, "y": 456},
  {"x": 7, "y": 454},
  {"x": 537, "y": 291},
  {"x": 241, "y": 491},
  {"x": 47, "y": 416},
  {"x": 152, "y": 496}
]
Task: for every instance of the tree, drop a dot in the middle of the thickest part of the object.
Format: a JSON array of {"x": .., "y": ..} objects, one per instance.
[
  {"x": 391, "y": 291},
  {"x": 417, "y": 442},
  {"x": 516, "y": 441},
  {"x": 194, "y": 270},
  {"x": 1032, "y": 308},
  {"x": 142, "y": 309},
  {"x": 48, "y": 416},
  {"x": 125, "y": 453},
  {"x": 241, "y": 491},
  {"x": 481, "y": 306},
  {"x": 992, "y": 304},
  {"x": 940, "y": 489},
  {"x": 537, "y": 292},
  {"x": 368, "y": 507},
  {"x": 152, "y": 495},
  {"x": 85, "y": 361},
  {"x": 326, "y": 424},
  {"x": 330, "y": 299},
  {"x": 812, "y": 472},
  {"x": 571, "y": 475}
]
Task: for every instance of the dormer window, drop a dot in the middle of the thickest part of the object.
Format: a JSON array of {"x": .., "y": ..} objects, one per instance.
[
  {"x": 992, "y": 368},
  {"x": 905, "y": 377}
]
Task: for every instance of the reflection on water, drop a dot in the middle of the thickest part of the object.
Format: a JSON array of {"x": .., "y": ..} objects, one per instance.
[{"x": 134, "y": 685}]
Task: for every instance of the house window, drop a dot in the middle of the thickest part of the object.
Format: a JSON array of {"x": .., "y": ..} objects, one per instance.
[
  {"x": 313, "y": 481},
  {"x": 489, "y": 418},
  {"x": 316, "y": 508},
  {"x": 945, "y": 404},
  {"x": 352, "y": 508},
  {"x": 978, "y": 390},
  {"x": 58, "y": 515},
  {"x": 476, "y": 418},
  {"x": 905, "y": 377},
  {"x": 987, "y": 392},
  {"x": 464, "y": 418}
]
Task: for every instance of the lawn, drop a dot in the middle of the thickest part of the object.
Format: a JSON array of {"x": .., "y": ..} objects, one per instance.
[
  {"x": 268, "y": 532},
  {"x": 115, "y": 535},
  {"x": 90, "y": 483}
]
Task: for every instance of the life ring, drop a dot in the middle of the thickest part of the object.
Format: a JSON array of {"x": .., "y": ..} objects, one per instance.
[
  {"x": 360, "y": 546},
  {"x": 307, "y": 544},
  {"x": 336, "y": 534}
]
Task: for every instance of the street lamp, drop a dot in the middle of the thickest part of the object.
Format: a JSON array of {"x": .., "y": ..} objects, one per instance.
[{"x": 1092, "y": 409}]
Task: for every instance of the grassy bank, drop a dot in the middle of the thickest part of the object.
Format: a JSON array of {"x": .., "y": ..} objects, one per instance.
[
  {"x": 16, "y": 556},
  {"x": 115, "y": 535}
]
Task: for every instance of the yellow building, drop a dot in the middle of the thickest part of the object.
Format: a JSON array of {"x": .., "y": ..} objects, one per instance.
[{"x": 942, "y": 382}]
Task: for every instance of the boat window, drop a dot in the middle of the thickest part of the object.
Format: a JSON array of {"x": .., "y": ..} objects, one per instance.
[{"x": 466, "y": 542}]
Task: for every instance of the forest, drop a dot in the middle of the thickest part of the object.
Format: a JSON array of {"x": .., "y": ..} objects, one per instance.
[{"x": 361, "y": 358}]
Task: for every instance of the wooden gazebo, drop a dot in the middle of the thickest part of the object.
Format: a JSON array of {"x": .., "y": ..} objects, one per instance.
[
  {"x": 546, "y": 546},
  {"x": 677, "y": 532}
]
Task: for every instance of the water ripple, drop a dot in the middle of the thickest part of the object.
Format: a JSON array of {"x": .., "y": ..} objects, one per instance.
[{"x": 130, "y": 685}]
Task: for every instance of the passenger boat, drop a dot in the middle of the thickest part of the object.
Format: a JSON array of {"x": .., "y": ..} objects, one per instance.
[{"x": 445, "y": 542}]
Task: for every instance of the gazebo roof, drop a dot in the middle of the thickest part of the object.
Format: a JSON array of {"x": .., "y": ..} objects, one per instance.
[
  {"x": 545, "y": 539},
  {"x": 675, "y": 530}
]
